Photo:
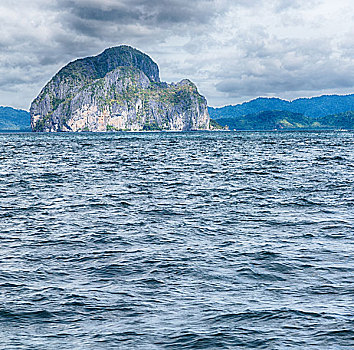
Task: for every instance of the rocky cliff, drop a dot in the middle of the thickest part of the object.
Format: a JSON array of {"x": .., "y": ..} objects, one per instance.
[{"x": 119, "y": 89}]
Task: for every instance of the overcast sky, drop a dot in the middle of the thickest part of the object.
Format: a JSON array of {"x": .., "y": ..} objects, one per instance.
[{"x": 234, "y": 50}]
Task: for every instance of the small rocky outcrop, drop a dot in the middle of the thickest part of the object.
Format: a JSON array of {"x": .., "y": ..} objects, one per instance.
[{"x": 120, "y": 89}]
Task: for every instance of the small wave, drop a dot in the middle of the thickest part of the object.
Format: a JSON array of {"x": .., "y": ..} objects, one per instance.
[
  {"x": 265, "y": 315},
  {"x": 249, "y": 273},
  {"x": 16, "y": 316},
  {"x": 329, "y": 158}
]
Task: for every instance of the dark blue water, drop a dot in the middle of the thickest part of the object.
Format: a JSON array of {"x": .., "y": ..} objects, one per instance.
[{"x": 177, "y": 241}]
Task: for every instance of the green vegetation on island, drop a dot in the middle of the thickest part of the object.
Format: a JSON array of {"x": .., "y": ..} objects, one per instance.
[{"x": 338, "y": 121}]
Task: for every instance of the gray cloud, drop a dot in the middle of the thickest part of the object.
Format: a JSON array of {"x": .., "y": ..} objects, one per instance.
[
  {"x": 233, "y": 50},
  {"x": 161, "y": 14}
]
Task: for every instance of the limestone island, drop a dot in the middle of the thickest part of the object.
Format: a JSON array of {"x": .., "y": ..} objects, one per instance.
[{"x": 118, "y": 90}]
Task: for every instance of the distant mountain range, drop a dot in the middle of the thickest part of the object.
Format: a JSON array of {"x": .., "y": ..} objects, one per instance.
[
  {"x": 328, "y": 111},
  {"x": 314, "y": 107},
  {"x": 14, "y": 119},
  {"x": 278, "y": 120}
]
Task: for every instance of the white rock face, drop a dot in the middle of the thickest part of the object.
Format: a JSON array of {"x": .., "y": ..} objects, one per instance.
[{"x": 89, "y": 118}]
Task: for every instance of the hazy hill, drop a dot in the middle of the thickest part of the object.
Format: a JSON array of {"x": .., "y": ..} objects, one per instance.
[
  {"x": 267, "y": 120},
  {"x": 278, "y": 120},
  {"x": 314, "y": 107},
  {"x": 14, "y": 119}
]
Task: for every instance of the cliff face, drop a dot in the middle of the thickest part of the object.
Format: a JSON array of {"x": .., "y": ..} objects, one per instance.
[{"x": 119, "y": 89}]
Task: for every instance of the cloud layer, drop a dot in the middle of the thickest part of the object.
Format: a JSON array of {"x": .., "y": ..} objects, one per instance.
[{"x": 234, "y": 50}]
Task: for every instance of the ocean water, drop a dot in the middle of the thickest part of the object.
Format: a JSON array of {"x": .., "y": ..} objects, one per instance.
[{"x": 177, "y": 241}]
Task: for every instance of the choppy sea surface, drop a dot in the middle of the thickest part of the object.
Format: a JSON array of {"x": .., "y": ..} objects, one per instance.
[{"x": 177, "y": 240}]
